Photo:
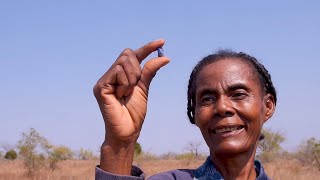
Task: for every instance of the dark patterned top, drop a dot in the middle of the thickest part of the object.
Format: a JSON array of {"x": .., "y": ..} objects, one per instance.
[{"x": 207, "y": 171}]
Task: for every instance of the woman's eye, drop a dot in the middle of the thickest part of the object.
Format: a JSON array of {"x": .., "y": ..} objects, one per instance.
[
  {"x": 207, "y": 99},
  {"x": 239, "y": 95}
]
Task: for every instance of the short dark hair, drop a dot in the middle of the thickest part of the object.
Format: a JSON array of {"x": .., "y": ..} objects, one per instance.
[{"x": 262, "y": 72}]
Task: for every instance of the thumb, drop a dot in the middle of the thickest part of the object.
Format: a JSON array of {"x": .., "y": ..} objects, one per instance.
[{"x": 149, "y": 71}]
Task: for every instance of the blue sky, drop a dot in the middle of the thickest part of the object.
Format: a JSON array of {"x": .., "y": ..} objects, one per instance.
[{"x": 53, "y": 52}]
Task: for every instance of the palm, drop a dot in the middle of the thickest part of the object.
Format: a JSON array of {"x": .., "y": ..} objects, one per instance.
[{"x": 124, "y": 117}]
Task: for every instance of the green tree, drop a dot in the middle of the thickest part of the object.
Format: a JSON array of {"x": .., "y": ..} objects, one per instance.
[
  {"x": 270, "y": 146},
  {"x": 11, "y": 155},
  {"x": 59, "y": 153},
  {"x": 33, "y": 148},
  {"x": 137, "y": 149},
  {"x": 309, "y": 152}
]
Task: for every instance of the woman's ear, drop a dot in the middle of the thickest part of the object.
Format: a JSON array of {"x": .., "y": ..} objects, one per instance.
[{"x": 270, "y": 106}]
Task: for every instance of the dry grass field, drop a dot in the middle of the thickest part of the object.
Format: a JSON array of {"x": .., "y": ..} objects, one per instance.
[
  {"x": 67, "y": 170},
  {"x": 291, "y": 170},
  {"x": 78, "y": 170}
]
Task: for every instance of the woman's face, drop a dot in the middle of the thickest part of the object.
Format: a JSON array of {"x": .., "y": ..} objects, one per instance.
[{"x": 231, "y": 106}]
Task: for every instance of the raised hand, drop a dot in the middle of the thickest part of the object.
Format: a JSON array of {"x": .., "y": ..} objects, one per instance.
[{"x": 122, "y": 94}]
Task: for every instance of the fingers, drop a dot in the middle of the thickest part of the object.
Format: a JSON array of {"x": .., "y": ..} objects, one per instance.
[
  {"x": 149, "y": 71},
  {"x": 121, "y": 77},
  {"x": 115, "y": 81},
  {"x": 126, "y": 72},
  {"x": 121, "y": 80},
  {"x": 147, "y": 49},
  {"x": 131, "y": 68}
]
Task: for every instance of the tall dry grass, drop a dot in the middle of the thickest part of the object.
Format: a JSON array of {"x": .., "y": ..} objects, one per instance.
[
  {"x": 66, "y": 170},
  {"x": 77, "y": 169},
  {"x": 291, "y": 170}
]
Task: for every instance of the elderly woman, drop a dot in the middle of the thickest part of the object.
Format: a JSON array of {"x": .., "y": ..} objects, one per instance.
[{"x": 230, "y": 97}]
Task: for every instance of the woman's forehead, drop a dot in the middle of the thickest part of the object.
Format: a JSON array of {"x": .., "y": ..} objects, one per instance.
[
  {"x": 227, "y": 71},
  {"x": 228, "y": 67}
]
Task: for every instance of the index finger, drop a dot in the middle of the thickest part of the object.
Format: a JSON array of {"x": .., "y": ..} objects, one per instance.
[{"x": 147, "y": 49}]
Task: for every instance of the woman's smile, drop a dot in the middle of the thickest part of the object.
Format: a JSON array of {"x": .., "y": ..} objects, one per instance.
[{"x": 227, "y": 129}]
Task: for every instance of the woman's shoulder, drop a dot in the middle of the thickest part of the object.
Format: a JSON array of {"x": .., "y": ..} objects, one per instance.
[{"x": 178, "y": 174}]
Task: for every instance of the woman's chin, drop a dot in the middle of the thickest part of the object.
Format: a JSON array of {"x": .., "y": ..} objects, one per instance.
[{"x": 229, "y": 148}]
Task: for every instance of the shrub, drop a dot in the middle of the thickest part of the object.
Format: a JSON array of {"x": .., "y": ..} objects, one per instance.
[
  {"x": 11, "y": 155},
  {"x": 85, "y": 154},
  {"x": 309, "y": 152},
  {"x": 270, "y": 146},
  {"x": 59, "y": 153}
]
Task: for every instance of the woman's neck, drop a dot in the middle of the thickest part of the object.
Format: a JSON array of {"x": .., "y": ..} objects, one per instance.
[{"x": 235, "y": 166}]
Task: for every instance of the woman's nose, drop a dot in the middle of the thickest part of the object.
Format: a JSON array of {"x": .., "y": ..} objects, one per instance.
[{"x": 223, "y": 107}]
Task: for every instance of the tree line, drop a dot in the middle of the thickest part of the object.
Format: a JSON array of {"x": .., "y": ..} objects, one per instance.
[
  {"x": 269, "y": 149},
  {"x": 37, "y": 152}
]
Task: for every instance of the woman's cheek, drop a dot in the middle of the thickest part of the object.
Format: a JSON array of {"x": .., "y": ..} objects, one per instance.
[{"x": 202, "y": 116}]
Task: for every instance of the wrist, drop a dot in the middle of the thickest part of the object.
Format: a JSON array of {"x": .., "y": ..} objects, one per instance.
[{"x": 117, "y": 156}]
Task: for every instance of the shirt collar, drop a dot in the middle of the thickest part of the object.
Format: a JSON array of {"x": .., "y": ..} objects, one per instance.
[{"x": 207, "y": 171}]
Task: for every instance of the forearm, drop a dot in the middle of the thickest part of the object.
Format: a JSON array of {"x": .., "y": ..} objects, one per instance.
[{"x": 117, "y": 157}]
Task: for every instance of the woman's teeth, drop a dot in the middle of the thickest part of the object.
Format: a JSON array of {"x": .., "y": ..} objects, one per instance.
[{"x": 227, "y": 129}]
